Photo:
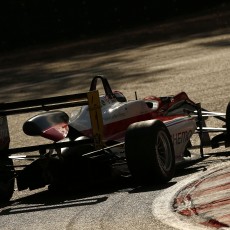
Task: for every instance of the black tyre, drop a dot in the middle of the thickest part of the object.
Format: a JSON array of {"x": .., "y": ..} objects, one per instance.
[
  {"x": 228, "y": 119},
  {"x": 7, "y": 179},
  {"x": 149, "y": 152}
]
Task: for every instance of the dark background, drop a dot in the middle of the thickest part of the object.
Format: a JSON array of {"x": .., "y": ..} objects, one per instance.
[{"x": 31, "y": 22}]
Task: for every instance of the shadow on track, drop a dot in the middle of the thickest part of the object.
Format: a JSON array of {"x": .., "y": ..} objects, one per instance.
[{"x": 90, "y": 195}]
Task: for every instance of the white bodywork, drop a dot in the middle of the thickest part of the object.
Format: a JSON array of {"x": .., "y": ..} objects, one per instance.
[
  {"x": 114, "y": 114},
  {"x": 181, "y": 130}
]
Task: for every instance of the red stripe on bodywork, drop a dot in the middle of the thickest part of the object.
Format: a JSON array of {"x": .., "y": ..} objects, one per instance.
[{"x": 117, "y": 129}]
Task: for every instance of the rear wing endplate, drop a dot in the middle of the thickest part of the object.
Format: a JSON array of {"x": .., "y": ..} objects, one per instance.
[{"x": 90, "y": 98}]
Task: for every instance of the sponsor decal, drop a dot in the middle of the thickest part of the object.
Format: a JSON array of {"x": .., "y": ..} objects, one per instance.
[{"x": 181, "y": 137}]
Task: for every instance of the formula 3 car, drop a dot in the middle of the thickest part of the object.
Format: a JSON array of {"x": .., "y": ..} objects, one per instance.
[{"x": 149, "y": 135}]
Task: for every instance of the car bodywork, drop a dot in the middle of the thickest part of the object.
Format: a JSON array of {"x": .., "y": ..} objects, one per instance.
[{"x": 107, "y": 129}]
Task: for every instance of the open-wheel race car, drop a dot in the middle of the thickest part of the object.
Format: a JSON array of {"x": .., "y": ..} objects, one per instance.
[{"x": 150, "y": 136}]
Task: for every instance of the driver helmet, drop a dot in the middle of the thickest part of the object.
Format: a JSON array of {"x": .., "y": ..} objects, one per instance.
[{"x": 119, "y": 96}]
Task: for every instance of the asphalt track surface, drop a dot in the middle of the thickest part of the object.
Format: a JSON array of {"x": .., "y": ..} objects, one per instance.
[{"x": 197, "y": 63}]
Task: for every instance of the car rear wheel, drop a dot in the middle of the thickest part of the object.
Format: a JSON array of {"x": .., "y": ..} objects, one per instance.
[
  {"x": 149, "y": 152},
  {"x": 228, "y": 119},
  {"x": 7, "y": 179},
  {"x": 227, "y": 136}
]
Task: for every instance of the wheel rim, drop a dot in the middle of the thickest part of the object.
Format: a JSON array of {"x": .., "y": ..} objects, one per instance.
[{"x": 164, "y": 151}]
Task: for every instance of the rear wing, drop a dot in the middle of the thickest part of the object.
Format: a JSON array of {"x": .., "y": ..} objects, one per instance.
[{"x": 90, "y": 98}]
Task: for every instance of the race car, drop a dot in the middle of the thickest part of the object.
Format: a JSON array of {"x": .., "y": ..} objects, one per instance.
[{"x": 150, "y": 136}]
